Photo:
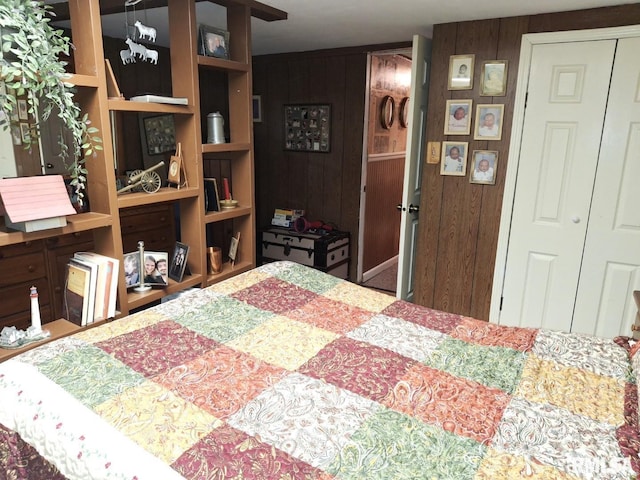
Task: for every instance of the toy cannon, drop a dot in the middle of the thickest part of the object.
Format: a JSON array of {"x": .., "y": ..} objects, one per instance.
[{"x": 148, "y": 179}]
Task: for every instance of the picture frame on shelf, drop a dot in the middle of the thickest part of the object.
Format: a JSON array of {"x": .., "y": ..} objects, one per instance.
[
  {"x": 457, "y": 119},
  {"x": 489, "y": 122},
  {"x": 131, "y": 266},
  {"x": 454, "y": 158},
  {"x": 493, "y": 78},
  {"x": 178, "y": 261},
  {"x": 307, "y": 127},
  {"x": 233, "y": 249},
  {"x": 155, "y": 268},
  {"x": 159, "y": 134},
  {"x": 484, "y": 164},
  {"x": 214, "y": 42},
  {"x": 461, "y": 72}
]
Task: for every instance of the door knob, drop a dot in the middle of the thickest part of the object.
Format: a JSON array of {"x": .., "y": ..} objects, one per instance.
[
  {"x": 399, "y": 206},
  {"x": 414, "y": 208},
  {"x": 575, "y": 219}
]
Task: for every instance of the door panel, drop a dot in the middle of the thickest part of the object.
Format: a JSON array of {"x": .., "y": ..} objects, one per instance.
[
  {"x": 566, "y": 103},
  {"x": 411, "y": 189},
  {"x": 611, "y": 266}
]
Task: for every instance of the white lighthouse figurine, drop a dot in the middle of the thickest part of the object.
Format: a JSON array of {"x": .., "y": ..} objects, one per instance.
[{"x": 36, "y": 323}]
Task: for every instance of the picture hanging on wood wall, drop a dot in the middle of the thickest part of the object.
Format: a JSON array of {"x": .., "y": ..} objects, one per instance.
[{"x": 307, "y": 128}]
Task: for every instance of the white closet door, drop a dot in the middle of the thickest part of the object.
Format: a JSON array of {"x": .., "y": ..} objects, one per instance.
[
  {"x": 567, "y": 96},
  {"x": 611, "y": 264}
]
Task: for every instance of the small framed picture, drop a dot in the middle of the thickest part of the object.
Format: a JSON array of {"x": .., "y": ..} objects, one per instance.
[
  {"x": 493, "y": 78},
  {"x": 25, "y": 133},
  {"x": 454, "y": 158},
  {"x": 159, "y": 134},
  {"x": 489, "y": 122},
  {"x": 178, "y": 261},
  {"x": 155, "y": 268},
  {"x": 23, "y": 113},
  {"x": 131, "y": 265},
  {"x": 483, "y": 167},
  {"x": 458, "y": 117},
  {"x": 214, "y": 42},
  {"x": 257, "y": 108},
  {"x": 461, "y": 72}
]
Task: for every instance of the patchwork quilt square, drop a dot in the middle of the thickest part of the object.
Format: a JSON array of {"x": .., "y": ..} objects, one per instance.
[
  {"x": 426, "y": 317},
  {"x": 263, "y": 295}
]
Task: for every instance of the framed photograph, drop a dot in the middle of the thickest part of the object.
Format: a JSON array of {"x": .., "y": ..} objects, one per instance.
[
  {"x": 454, "y": 158},
  {"x": 489, "y": 122},
  {"x": 483, "y": 167},
  {"x": 156, "y": 268},
  {"x": 159, "y": 134},
  {"x": 257, "y": 108},
  {"x": 233, "y": 248},
  {"x": 178, "y": 261},
  {"x": 461, "y": 72},
  {"x": 214, "y": 42},
  {"x": 457, "y": 119},
  {"x": 131, "y": 265},
  {"x": 25, "y": 134},
  {"x": 23, "y": 113},
  {"x": 307, "y": 128},
  {"x": 493, "y": 78}
]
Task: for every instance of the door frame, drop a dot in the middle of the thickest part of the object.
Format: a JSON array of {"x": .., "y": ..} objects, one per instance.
[{"x": 529, "y": 40}]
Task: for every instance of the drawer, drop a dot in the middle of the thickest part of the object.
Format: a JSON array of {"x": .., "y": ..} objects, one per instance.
[
  {"x": 22, "y": 320},
  {"x": 21, "y": 249},
  {"x": 71, "y": 239},
  {"x": 335, "y": 256},
  {"x": 16, "y": 299},
  {"x": 142, "y": 219},
  {"x": 23, "y": 268},
  {"x": 277, "y": 251},
  {"x": 159, "y": 239}
]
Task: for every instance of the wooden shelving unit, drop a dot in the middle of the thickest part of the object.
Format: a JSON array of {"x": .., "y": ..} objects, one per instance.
[{"x": 104, "y": 219}]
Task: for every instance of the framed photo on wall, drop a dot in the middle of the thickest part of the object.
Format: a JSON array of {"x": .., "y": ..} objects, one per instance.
[
  {"x": 454, "y": 158},
  {"x": 461, "y": 72},
  {"x": 307, "y": 128},
  {"x": 489, "y": 122},
  {"x": 493, "y": 78},
  {"x": 483, "y": 167},
  {"x": 257, "y": 108},
  {"x": 457, "y": 119}
]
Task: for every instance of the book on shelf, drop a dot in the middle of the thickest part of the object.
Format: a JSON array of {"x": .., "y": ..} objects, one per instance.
[
  {"x": 93, "y": 282},
  {"x": 107, "y": 283},
  {"x": 211, "y": 197},
  {"x": 76, "y": 293}
]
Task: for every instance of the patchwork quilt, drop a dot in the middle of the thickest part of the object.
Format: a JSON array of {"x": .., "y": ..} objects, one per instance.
[{"x": 285, "y": 372}]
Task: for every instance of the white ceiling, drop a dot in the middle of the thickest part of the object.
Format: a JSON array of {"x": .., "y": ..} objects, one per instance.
[{"x": 321, "y": 24}]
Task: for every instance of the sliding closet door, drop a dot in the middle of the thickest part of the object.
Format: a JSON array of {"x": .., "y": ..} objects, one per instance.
[
  {"x": 611, "y": 262},
  {"x": 566, "y": 103}
]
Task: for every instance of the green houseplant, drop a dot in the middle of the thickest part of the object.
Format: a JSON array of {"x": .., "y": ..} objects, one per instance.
[{"x": 32, "y": 65}]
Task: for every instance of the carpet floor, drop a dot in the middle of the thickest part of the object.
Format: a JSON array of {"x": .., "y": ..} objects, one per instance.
[{"x": 385, "y": 280}]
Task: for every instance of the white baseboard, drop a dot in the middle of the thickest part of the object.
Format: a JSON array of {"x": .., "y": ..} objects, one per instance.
[{"x": 369, "y": 274}]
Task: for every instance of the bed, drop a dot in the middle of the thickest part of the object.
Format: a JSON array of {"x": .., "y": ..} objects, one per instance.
[{"x": 285, "y": 372}]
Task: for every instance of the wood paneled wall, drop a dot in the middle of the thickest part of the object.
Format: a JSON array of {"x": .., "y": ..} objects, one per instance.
[
  {"x": 325, "y": 185},
  {"x": 459, "y": 221}
]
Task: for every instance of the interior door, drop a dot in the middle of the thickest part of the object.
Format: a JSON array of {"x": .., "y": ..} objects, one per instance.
[
  {"x": 566, "y": 101},
  {"x": 611, "y": 262},
  {"x": 417, "y": 122}
]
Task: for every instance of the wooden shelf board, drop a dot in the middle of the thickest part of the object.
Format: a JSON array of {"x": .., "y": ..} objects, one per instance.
[
  {"x": 228, "y": 272},
  {"x": 212, "y": 217},
  {"x": 140, "y": 299},
  {"x": 165, "y": 194},
  {"x": 75, "y": 223},
  {"x": 83, "y": 80},
  {"x": 225, "y": 147},
  {"x": 128, "y": 106},
  {"x": 222, "y": 64}
]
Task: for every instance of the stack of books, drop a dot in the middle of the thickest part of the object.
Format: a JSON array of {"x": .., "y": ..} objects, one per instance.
[
  {"x": 284, "y": 217},
  {"x": 91, "y": 288}
]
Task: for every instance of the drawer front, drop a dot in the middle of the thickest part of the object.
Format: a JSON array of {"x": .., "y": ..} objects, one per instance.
[
  {"x": 16, "y": 299},
  {"x": 338, "y": 255},
  {"x": 293, "y": 240},
  {"x": 71, "y": 239},
  {"x": 21, "y": 249},
  {"x": 286, "y": 252},
  {"x": 23, "y": 268},
  {"x": 159, "y": 240}
]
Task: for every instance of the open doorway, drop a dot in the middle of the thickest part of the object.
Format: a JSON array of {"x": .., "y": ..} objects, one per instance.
[{"x": 389, "y": 81}]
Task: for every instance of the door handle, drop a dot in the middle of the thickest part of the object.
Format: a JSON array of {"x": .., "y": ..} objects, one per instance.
[
  {"x": 399, "y": 206},
  {"x": 414, "y": 208}
]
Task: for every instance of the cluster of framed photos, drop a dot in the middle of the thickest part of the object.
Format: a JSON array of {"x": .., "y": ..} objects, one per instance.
[
  {"x": 156, "y": 270},
  {"x": 488, "y": 119},
  {"x": 484, "y": 163},
  {"x": 307, "y": 128}
]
